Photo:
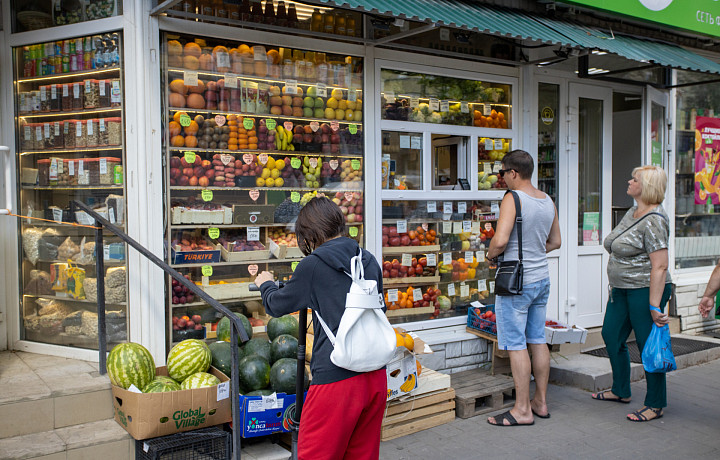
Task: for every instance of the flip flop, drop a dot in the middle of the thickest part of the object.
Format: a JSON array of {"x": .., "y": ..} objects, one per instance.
[
  {"x": 538, "y": 415},
  {"x": 500, "y": 419},
  {"x": 601, "y": 397},
  {"x": 641, "y": 418}
]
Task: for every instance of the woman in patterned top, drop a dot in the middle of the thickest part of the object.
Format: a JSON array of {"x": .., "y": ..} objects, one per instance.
[{"x": 639, "y": 281}]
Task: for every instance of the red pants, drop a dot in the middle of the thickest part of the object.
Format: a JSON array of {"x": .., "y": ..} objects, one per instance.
[{"x": 342, "y": 420}]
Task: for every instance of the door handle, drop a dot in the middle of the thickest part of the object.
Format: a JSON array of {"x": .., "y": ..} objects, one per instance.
[{"x": 8, "y": 181}]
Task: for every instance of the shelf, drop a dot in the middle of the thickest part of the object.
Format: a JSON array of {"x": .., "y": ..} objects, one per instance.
[
  {"x": 412, "y": 221},
  {"x": 407, "y": 96},
  {"x": 281, "y": 189},
  {"x": 70, "y": 299},
  {"x": 275, "y": 224},
  {"x": 695, "y": 214},
  {"x": 289, "y": 153},
  {"x": 399, "y": 250},
  {"x": 76, "y": 187},
  {"x": 223, "y": 302},
  {"x": 70, "y": 114},
  {"x": 547, "y": 162},
  {"x": 547, "y": 178},
  {"x": 107, "y": 262},
  {"x": 684, "y": 173},
  {"x": 103, "y": 148},
  {"x": 230, "y": 264},
  {"x": 252, "y": 78},
  {"x": 262, "y": 115},
  {"x": 58, "y": 76},
  {"x": 410, "y": 312},
  {"x": 408, "y": 280}
]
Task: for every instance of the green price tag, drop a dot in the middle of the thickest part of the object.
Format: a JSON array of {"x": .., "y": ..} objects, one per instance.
[
  {"x": 207, "y": 195},
  {"x": 185, "y": 120},
  {"x": 190, "y": 157},
  {"x": 352, "y": 128},
  {"x": 355, "y": 164},
  {"x": 207, "y": 270},
  {"x": 295, "y": 197},
  {"x": 293, "y": 265},
  {"x": 270, "y": 123},
  {"x": 248, "y": 123},
  {"x": 214, "y": 232},
  {"x": 295, "y": 162},
  {"x": 353, "y": 231}
]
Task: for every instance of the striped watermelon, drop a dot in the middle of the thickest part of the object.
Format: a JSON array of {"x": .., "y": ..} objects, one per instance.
[
  {"x": 130, "y": 364},
  {"x": 199, "y": 380},
  {"x": 188, "y": 357},
  {"x": 161, "y": 384}
]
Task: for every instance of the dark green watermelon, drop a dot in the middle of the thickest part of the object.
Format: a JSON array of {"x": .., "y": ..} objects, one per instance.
[
  {"x": 284, "y": 346},
  {"x": 263, "y": 392},
  {"x": 284, "y": 325},
  {"x": 254, "y": 373},
  {"x": 223, "y": 329},
  {"x": 222, "y": 356},
  {"x": 283, "y": 375},
  {"x": 257, "y": 346}
]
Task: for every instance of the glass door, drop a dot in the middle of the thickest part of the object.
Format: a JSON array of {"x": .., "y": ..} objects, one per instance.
[{"x": 588, "y": 202}]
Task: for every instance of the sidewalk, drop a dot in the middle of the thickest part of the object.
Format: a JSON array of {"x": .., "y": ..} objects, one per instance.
[{"x": 581, "y": 428}]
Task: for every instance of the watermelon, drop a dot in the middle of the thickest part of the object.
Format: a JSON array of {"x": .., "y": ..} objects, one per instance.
[
  {"x": 160, "y": 385},
  {"x": 284, "y": 346},
  {"x": 188, "y": 357},
  {"x": 199, "y": 380},
  {"x": 223, "y": 328},
  {"x": 284, "y": 325},
  {"x": 254, "y": 373},
  {"x": 222, "y": 356},
  {"x": 257, "y": 346},
  {"x": 283, "y": 375},
  {"x": 263, "y": 392},
  {"x": 130, "y": 364}
]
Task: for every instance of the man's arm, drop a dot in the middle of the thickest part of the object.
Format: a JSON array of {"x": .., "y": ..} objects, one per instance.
[
  {"x": 554, "y": 240},
  {"x": 505, "y": 224},
  {"x": 707, "y": 303}
]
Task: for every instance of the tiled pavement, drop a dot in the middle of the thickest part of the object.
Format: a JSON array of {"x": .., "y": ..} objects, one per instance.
[{"x": 581, "y": 428}]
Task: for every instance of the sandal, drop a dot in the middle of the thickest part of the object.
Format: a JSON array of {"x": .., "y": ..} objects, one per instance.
[
  {"x": 500, "y": 420},
  {"x": 601, "y": 397},
  {"x": 641, "y": 418}
]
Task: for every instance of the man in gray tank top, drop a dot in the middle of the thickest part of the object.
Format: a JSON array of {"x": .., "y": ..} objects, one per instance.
[{"x": 521, "y": 318}]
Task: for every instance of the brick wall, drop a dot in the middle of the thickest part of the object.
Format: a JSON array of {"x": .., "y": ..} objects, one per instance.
[
  {"x": 460, "y": 352},
  {"x": 687, "y": 299}
]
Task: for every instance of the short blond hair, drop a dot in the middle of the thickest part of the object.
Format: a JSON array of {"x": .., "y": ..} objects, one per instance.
[{"x": 654, "y": 183}]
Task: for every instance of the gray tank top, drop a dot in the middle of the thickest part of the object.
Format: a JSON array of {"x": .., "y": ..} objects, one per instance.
[{"x": 538, "y": 215}]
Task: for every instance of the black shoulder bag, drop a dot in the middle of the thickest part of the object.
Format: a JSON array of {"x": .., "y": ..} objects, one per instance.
[{"x": 509, "y": 274}]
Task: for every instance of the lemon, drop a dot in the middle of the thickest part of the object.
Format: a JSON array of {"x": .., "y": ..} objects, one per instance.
[
  {"x": 279, "y": 165},
  {"x": 342, "y": 104},
  {"x": 275, "y": 173},
  {"x": 265, "y": 173},
  {"x": 270, "y": 163},
  {"x": 260, "y": 182},
  {"x": 279, "y": 182},
  {"x": 332, "y": 103},
  {"x": 269, "y": 182}
]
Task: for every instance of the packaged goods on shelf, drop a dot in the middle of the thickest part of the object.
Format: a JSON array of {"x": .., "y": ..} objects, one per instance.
[
  {"x": 115, "y": 93},
  {"x": 55, "y": 98},
  {"x": 202, "y": 214},
  {"x": 91, "y": 98},
  {"x": 66, "y": 96},
  {"x": 45, "y": 98},
  {"x": 114, "y": 130},
  {"x": 39, "y": 283},
  {"x": 78, "y": 96},
  {"x": 39, "y": 136},
  {"x": 58, "y": 135}
]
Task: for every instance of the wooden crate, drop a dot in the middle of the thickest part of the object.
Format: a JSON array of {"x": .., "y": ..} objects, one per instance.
[
  {"x": 418, "y": 413},
  {"x": 478, "y": 392}
]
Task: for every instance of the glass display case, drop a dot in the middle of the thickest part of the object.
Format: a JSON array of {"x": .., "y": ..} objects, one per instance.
[
  {"x": 547, "y": 171},
  {"x": 491, "y": 151},
  {"x": 70, "y": 135},
  {"x": 252, "y": 132},
  {"x": 33, "y": 15}
]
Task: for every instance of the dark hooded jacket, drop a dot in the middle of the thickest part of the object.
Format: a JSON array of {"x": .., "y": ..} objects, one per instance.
[{"x": 320, "y": 282}]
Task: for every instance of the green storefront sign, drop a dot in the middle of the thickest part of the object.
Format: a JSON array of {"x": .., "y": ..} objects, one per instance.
[{"x": 702, "y": 16}]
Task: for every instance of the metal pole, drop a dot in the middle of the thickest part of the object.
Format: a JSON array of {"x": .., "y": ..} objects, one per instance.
[
  {"x": 235, "y": 387},
  {"x": 100, "y": 274},
  {"x": 300, "y": 380}
]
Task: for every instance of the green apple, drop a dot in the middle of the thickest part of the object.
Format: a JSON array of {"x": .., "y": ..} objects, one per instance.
[
  {"x": 312, "y": 91},
  {"x": 319, "y": 113},
  {"x": 307, "y": 112},
  {"x": 308, "y": 101},
  {"x": 319, "y": 103}
]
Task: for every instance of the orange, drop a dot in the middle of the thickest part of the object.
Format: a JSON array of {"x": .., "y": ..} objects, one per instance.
[
  {"x": 409, "y": 342},
  {"x": 177, "y": 141},
  {"x": 177, "y": 116},
  {"x": 191, "y": 62},
  {"x": 192, "y": 129},
  {"x": 419, "y": 367},
  {"x": 191, "y": 141},
  {"x": 174, "y": 128},
  {"x": 193, "y": 49}
]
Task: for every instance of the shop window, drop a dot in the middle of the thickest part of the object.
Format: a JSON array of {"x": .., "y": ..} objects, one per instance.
[
  {"x": 548, "y": 105},
  {"x": 697, "y": 174},
  {"x": 491, "y": 151},
  {"x": 402, "y": 161},
  {"x": 449, "y": 161},
  {"x": 40, "y": 14}
]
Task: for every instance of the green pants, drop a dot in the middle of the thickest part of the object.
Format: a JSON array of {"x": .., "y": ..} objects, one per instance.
[{"x": 628, "y": 310}]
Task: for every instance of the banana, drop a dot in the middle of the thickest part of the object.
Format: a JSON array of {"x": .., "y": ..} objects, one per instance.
[
  {"x": 291, "y": 147},
  {"x": 288, "y": 137},
  {"x": 409, "y": 383},
  {"x": 277, "y": 142}
]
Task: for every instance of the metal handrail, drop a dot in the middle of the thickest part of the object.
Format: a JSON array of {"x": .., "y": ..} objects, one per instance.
[{"x": 236, "y": 331}]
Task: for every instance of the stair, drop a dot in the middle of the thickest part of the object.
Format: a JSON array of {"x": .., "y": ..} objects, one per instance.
[{"x": 57, "y": 408}]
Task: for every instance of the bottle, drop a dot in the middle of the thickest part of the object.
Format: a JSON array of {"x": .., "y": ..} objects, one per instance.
[
  {"x": 269, "y": 13},
  {"x": 187, "y": 6},
  {"x": 207, "y": 7},
  {"x": 281, "y": 16},
  {"x": 245, "y": 10},
  {"x": 220, "y": 9},
  {"x": 329, "y": 23},
  {"x": 321, "y": 68},
  {"x": 310, "y": 74},
  {"x": 287, "y": 63},
  {"x": 316, "y": 22},
  {"x": 256, "y": 11},
  {"x": 292, "y": 17},
  {"x": 350, "y": 25},
  {"x": 299, "y": 65},
  {"x": 340, "y": 24},
  {"x": 233, "y": 9}
]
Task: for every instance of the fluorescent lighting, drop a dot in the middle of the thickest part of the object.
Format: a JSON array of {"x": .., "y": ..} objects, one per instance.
[{"x": 598, "y": 52}]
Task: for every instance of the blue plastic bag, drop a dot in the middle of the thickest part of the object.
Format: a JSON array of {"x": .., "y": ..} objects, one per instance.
[{"x": 657, "y": 355}]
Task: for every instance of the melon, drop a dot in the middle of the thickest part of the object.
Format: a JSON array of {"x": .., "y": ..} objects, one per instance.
[
  {"x": 257, "y": 346},
  {"x": 192, "y": 49},
  {"x": 263, "y": 392},
  {"x": 174, "y": 48},
  {"x": 222, "y": 356},
  {"x": 199, "y": 89},
  {"x": 284, "y": 325},
  {"x": 195, "y": 101},
  {"x": 284, "y": 346},
  {"x": 178, "y": 86},
  {"x": 223, "y": 328},
  {"x": 130, "y": 364},
  {"x": 161, "y": 385},
  {"x": 187, "y": 358},
  {"x": 199, "y": 380},
  {"x": 254, "y": 373},
  {"x": 176, "y": 100},
  {"x": 283, "y": 375}
]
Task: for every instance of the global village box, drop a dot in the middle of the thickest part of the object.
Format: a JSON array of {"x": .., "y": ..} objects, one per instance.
[
  {"x": 263, "y": 415},
  {"x": 148, "y": 415}
]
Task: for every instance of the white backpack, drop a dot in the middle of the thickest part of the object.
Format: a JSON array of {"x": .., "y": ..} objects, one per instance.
[{"x": 365, "y": 340}]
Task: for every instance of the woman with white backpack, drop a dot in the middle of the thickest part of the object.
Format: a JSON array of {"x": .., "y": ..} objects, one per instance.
[{"x": 343, "y": 412}]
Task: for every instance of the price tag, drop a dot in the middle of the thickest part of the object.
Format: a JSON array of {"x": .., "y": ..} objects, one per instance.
[
  {"x": 206, "y": 270},
  {"x": 223, "y": 391},
  {"x": 46, "y": 129},
  {"x": 489, "y": 144},
  {"x": 248, "y": 158},
  {"x": 270, "y": 123},
  {"x": 314, "y": 125},
  {"x": 190, "y": 78},
  {"x": 447, "y": 258},
  {"x": 90, "y": 128},
  {"x": 417, "y": 294},
  {"x": 220, "y": 120},
  {"x": 102, "y": 125},
  {"x": 446, "y": 227},
  {"x": 334, "y": 125},
  {"x": 469, "y": 255},
  {"x": 253, "y": 233},
  {"x": 447, "y": 207},
  {"x": 259, "y": 53},
  {"x": 56, "y": 127},
  {"x": 288, "y": 125},
  {"x": 43, "y": 93},
  {"x": 28, "y": 133},
  {"x": 295, "y": 162},
  {"x": 57, "y": 215},
  {"x": 111, "y": 215},
  {"x": 352, "y": 94},
  {"x": 231, "y": 80},
  {"x": 444, "y": 106},
  {"x": 445, "y": 35},
  {"x": 389, "y": 96},
  {"x": 321, "y": 90},
  {"x": 431, "y": 206},
  {"x": 431, "y": 260},
  {"x": 416, "y": 142},
  {"x": 401, "y": 226},
  {"x": 226, "y": 159},
  {"x": 464, "y": 107},
  {"x": 475, "y": 227},
  {"x": 71, "y": 167},
  {"x": 295, "y": 197},
  {"x": 214, "y": 233},
  {"x": 355, "y": 164},
  {"x": 291, "y": 87},
  {"x": 263, "y": 158},
  {"x": 480, "y": 255},
  {"x": 487, "y": 110},
  {"x": 466, "y": 226},
  {"x": 462, "y": 207},
  {"x": 352, "y": 129},
  {"x": 189, "y": 157},
  {"x": 451, "y": 289},
  {"x": 457, "y": 228},
  {"x": 414, "y": 102},
  {"x": 254, "y": 194},
  {"x": 76, "y": 91},
  {"x": 495, "y": 208},
  {"x": 464, "y": 290},
  {"x": 78, "y": 129},
  {"x": 103, "y": 166},
  {"x": 106, "y": 252},
  {"x": 406, "y": 260},
  {"x": 252, "y": 269},
  {"x": 498, "y": 144},
  {"x": 491, "y": 286},
  {"x": 248, "y": 123},
  {"x": 206, "y": 195},
  {"x": 65, "y": 90},
  {"x": 353, "y": 232},
  {"x": 294, "y": 265},
  {"x": 185, "y": 120},
  {"x": 434, "y": 104},
  {"x": 392, "y": 295},
  {"x": 497, "y": 166},
  {"x": 313, "y": 162},
  {"x": 482, "y": 285},
  {"x": 53, "y": 91},
  {"x": 334, "y": 164},
  {"x": 81, "y": 167},
  {"x": 424, "y": 227}
]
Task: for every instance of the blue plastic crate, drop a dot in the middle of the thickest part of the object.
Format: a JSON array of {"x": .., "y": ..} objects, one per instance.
[{"x": 481, "y": 324}]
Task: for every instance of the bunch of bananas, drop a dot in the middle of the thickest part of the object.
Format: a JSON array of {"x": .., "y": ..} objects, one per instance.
[
  {"x": 283, "y": 139},
  {"x": 409, "y": 383}
]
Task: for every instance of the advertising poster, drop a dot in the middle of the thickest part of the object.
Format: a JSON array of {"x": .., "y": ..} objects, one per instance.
[
  {"x": 590, "y": 228},
  {"x": 707, "y": 154}
]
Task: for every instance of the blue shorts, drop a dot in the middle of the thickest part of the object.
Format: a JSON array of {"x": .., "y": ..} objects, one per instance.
[{"x": 521, "y": 318}]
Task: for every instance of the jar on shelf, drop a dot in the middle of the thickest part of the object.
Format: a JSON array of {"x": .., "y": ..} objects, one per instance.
[
  {"x": 48, "y": 135},
  {"x": 82, "y": 171},
  {"x": 66, "y": 97},
  {"x": 72, "y": 171},
  {"x": 91, "y": 127},
  {"x": 102, "y": 132},
  {"x": 34, "y": 101},
  {"x": 45, "y": 98},
  {"x": 78, "y": 130},
  {"x": 115, "y": 93},
  {"x": 78, "y": 92},
  {"x": 58, "y": 136},
  {"x": 39, "y": 137},
  {"x": 104, "y": 93},
  {"x": 68, "y": 134},
  {"x": 102, "y": 172},
  {"x": 92, "y": 94},
  {"x": 55, "y": 98},
  {"x": 114, "y": 128},
  {"x": 27, "y": 136},
  {"x": 64, "y": 176}
]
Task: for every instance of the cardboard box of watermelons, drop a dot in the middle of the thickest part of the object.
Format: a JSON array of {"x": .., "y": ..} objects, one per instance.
[{"x": 148, "y": 415}]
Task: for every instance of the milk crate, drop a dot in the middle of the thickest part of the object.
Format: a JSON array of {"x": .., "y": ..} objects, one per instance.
[{"x": 206, "y": 443}]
